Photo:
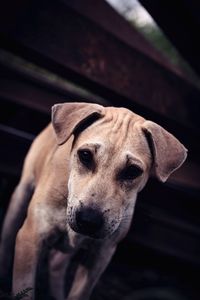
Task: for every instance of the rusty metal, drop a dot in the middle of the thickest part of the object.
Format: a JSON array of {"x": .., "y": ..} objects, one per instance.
[{"x": 56, "y": 36}]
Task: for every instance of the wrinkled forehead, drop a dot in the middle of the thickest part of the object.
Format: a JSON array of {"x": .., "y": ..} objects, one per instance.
[{"x": 118, "y": 133}]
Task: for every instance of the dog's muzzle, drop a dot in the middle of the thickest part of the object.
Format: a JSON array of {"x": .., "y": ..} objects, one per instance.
[{"x": 89, "y": 221}]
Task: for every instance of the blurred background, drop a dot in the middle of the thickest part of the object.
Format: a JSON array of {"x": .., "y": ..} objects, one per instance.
[{"x": 141, "y": 55}]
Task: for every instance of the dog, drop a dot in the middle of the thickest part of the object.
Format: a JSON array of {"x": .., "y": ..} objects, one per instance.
[{"x": 78, "y": 190}]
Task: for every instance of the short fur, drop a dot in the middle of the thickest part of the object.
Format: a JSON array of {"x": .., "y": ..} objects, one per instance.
[{"x": 55, "y": 185}]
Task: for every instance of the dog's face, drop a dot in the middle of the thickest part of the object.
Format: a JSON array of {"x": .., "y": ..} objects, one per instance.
[{"x": 110, "y": 163}]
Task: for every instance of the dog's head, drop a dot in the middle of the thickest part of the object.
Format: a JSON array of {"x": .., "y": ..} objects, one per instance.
[{"x": 112, "y": 153}]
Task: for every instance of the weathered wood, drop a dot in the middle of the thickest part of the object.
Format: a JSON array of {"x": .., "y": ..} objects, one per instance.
[
  {"x": 20, "y": 88},
  {"x": 60, "y": 38},
  {"x": 103, "y": 14}
]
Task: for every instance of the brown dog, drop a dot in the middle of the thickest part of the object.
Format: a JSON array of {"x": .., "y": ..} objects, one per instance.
[{"x": 80, "y": 181}]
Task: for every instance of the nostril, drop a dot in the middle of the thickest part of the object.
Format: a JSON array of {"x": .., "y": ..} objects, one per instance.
[{"x": 89, "y": 221}]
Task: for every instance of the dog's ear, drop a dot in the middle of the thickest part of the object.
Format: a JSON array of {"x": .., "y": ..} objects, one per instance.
[
  {"x": 168, "y": 153},
  {"x": 70, "y": 118}
]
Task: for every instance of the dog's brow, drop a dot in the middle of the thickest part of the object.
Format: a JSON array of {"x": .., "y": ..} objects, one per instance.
[
  {"x": 94, "y": 146},
  {"x": 130, "y": 158}
]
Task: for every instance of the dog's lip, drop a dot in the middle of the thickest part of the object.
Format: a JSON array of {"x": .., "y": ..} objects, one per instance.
[{"x": 97, "y": 236}]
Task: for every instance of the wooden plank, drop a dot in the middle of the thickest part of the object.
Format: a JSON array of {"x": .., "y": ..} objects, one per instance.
[
  {"x": 103, "y": 14},
  {"x": 14, "y": 69},
  {"x": 37, "y": 91},
  {"x": 58, "y": 37}
]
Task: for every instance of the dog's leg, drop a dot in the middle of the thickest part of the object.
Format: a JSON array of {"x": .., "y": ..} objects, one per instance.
[
  {"x": 35, "y": 236},
  {"x": 88, "y": 273},
  {"x": 27, "y": 251},
  {"x": 13, "y": 221},
  {"x": 57, "y": 267}
]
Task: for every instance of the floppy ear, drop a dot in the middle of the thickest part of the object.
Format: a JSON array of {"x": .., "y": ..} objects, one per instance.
[
  {"x": 68, "y": 118},
  {"x": 168, "y": 153}
]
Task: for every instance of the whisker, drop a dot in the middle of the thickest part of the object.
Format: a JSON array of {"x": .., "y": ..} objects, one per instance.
[
  {"x": 126, "y": 216},
  {"x": 125, "y": 219}
]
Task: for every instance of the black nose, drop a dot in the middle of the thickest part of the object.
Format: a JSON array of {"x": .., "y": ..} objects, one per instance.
[{"x": 89, "y": 221}]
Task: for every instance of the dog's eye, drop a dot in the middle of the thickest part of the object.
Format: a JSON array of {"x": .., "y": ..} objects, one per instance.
[
  {"x": 86, "y": 157},
  {"x": 130, "y": 173}
]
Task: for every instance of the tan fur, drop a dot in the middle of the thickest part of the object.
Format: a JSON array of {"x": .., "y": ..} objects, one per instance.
[{"x": 62, "y": 186}]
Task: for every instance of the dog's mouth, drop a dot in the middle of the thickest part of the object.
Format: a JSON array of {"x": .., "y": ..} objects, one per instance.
[
  {"x": 96, "y": 235},
  {"x": 89, "y": 222}
]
